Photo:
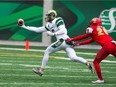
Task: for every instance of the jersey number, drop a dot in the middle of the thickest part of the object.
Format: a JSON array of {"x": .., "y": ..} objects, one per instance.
[{"x": 101, "y": 31}]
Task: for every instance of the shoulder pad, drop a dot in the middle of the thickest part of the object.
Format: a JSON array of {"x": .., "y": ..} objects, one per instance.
[
  {"x": 59, "y": 21},
  {"x": 89, "y": 30}
]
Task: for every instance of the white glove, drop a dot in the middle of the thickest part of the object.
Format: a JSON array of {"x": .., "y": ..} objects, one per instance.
[
  {"x": 50, "y": 33},
  {"x": 114, "y": 42}
]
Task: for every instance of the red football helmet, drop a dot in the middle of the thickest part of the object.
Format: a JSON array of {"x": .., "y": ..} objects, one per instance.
[{"x": 96, "y": 22}]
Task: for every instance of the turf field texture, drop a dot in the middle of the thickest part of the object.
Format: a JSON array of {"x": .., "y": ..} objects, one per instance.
[{"x": 16, "y": 69}]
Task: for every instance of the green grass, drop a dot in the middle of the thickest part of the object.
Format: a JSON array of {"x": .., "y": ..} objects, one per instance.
[{"x": 16, "y": 70}]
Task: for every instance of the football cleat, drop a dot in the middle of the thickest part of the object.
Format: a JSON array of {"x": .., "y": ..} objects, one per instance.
[
  {"x": 98, "y": 81},
  {"x": 91, "y": 67},
  {"x": 37, "y": 71}
]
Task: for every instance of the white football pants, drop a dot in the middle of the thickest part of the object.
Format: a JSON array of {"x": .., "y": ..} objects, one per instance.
[{"x": 56, "y": 46}]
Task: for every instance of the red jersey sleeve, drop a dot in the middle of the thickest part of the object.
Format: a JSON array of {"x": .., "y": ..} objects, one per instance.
[
  {"x": 86, "y": 41},
  {"x": 80, "y": 37}
]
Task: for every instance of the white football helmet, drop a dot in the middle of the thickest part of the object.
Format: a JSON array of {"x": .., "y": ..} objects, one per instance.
[{"x": 51, "y": 14}]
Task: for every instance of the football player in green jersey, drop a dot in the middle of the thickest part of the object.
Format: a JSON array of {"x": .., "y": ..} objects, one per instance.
[{"x": 55, "y": 26}]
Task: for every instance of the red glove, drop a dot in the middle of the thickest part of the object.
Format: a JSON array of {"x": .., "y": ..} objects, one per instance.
[
  {"x": 76, "y": 43},
  {"x": 68, "y": 40}
]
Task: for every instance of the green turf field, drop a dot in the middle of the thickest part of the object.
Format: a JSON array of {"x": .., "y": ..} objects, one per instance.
[{"x": 16, "y": 69}]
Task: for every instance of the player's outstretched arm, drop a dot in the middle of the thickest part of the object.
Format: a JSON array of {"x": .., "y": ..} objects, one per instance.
[
  {"x": 35, "y": 29},
  {"x": 76, "y": 43},
  {"x": 80, "y": 37}
]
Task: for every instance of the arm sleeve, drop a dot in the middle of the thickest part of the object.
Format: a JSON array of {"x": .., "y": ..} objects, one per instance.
[
  {"x": 89, "y": 31},
  {"x": 35, "y": 29},
  {"x": 80, "y": 37},
  {"x": 86, "y": 41},
  {"x": 62, "y": 30}
]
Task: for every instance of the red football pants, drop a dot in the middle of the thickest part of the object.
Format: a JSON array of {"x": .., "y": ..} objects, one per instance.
[{"x": 108, "y": 48}]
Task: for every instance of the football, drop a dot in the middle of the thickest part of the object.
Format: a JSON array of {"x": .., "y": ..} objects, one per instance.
[{"x": 20, "y": 22}]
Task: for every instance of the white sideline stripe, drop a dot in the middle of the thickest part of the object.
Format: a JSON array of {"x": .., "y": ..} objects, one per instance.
[
  {"x": 72, "y": 70},
  {"x": 66, "y": 76},
  {"x": 107, "y": 61},
  {"x": 19, "y": 49},
  {"x": 10, "y": 61},
  {"x": 63, "y": 68},
  {"x": 26, "y": 65},
  {"x": 14, "y": 69},
  {"x": 54, "y": 76},
  {"x": 79, "y": 70},
  {"x": 18, "y": 61},
  {"x": 44, "y": 51},
  {"x": 5, "y": 63},
  {"x": 15, "y": 83}
]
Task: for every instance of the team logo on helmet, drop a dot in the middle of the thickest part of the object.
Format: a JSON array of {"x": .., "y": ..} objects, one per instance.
[
  {"x": 52, "y": 12},
  {"x": 108, "y": 19},
  {"x": 96, "y": 22}
]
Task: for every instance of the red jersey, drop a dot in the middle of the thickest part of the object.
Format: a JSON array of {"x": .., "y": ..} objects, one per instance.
[{"x": 99, "y": 34}]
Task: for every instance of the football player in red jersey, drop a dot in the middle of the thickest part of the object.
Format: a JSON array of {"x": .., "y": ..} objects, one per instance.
[{"x": 98, "y": 33}]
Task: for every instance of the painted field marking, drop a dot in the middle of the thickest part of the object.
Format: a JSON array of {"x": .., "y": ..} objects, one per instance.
[{"x": 15, "y": 83}]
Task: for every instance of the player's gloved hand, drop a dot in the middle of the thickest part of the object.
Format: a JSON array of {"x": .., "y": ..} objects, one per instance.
[
  {"x": 114, "y": 42},
  {"x": 20, "y": 22},
  {"x": 68, "y": 40},
  {"x": 76, "y": 43},
  {"x": 50, "y": 33}
]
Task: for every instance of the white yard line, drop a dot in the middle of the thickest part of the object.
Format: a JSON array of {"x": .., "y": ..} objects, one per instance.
[
  {"x": 61, "y": 70},
  {"x": 6, "y": 64},
  {"x": 107, "y": 61},
  {"x": 52, "y": 76},
  {"x": 60, "y": 84}
]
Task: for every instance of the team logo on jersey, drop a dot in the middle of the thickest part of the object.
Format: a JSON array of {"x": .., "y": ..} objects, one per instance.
[{"x": 108, "y": 17}]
